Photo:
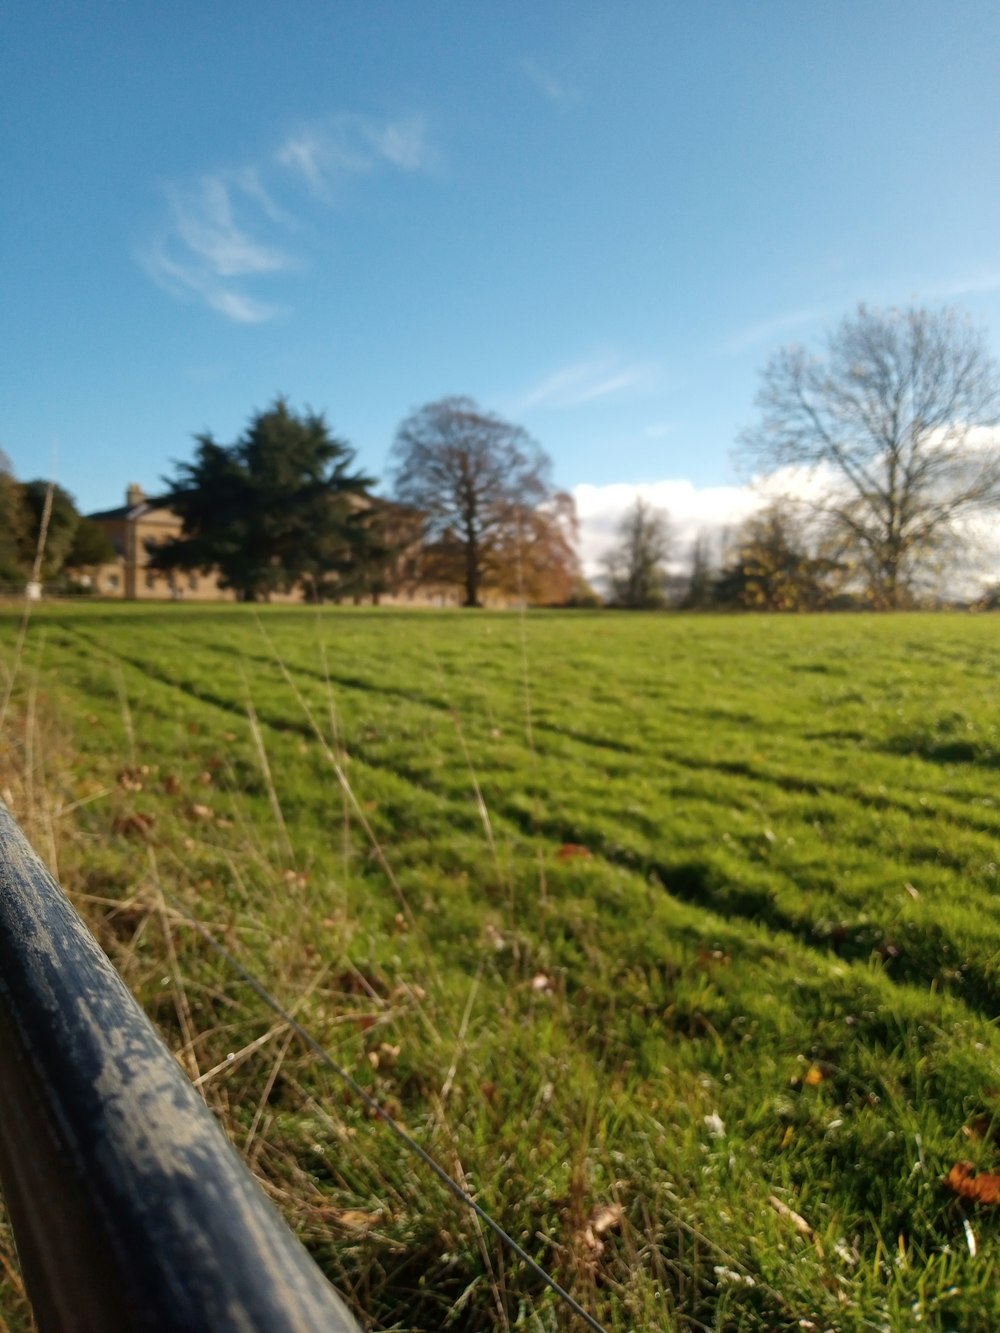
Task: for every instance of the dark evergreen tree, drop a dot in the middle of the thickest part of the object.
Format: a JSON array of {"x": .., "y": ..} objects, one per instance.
[{"x": 278, "y": 507}]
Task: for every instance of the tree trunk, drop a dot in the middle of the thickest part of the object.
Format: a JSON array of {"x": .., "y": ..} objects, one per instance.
[{"x": 471, "y": 572}]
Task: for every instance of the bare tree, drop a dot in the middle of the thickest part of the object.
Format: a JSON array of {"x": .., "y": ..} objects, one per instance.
[
  {"x": 889, "y": 424},
  {"x": 701, "y": 578},
  {"x": 478, "y": 480},
  {"x": 635, "y": 566}
]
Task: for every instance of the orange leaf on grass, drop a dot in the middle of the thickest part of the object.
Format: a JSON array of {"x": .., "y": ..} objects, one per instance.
[
  {"x": 981, "y": 1188},
  {"x": 353, "y": 1218},
  {"x": 570, "y": 849}
]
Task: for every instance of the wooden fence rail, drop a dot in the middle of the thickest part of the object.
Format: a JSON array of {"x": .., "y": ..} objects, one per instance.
[{"x": 130, "y": 1209}]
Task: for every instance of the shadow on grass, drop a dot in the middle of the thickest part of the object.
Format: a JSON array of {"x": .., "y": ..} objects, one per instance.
[
  {"x": 944, "y": 750},
  {"x": 914, "y": 953}
]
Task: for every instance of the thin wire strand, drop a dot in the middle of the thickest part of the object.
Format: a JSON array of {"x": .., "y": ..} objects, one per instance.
[{"x": 320, "y": 1051}]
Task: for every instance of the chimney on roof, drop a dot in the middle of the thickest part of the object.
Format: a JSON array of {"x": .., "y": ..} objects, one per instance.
[{"x": 134, "y": 495}]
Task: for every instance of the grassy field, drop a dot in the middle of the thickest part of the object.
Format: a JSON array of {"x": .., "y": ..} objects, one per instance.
[{"x": 675, "y": 939}]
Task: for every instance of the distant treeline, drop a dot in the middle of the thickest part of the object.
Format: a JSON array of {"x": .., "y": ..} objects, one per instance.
[{"x": 70, "y": 541}]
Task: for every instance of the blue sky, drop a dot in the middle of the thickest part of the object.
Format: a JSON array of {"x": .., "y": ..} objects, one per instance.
[{"x": 596, "y": 219}]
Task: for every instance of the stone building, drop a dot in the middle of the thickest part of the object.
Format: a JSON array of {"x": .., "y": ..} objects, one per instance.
[
  {"x": 141, "y": 523},
  {"x": 144, "y": 522}
]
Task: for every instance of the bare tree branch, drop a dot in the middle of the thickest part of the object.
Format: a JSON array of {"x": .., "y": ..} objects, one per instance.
[
  {"x": 894, "y": 412},
  {"x": 482, "y": 485}
]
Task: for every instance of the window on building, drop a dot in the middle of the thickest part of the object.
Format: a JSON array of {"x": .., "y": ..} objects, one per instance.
[
  {"x": 111, "y": 582},
  {"x": 192, "y": 583},
  {"x": 150, "y": 581}
]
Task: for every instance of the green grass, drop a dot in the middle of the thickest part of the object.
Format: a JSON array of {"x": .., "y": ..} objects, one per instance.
[{"x": 772, "y": 981}]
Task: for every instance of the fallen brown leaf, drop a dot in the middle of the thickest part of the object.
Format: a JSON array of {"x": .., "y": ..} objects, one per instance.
[
  {"x": 135, "y": 825},
  {"x": 797, "y": 1220},
  {"x": 571, "y": 849},
  {"x": 981, "y": 1188},
  {"x": 606, "y": 1216},
  {"x": 587, "y": 1240},
  {"x": 353, "y": 1218},
  {"x": 713, "y": 958}
]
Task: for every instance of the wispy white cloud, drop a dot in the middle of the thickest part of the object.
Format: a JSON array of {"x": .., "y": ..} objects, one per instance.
[
  {"x": 586, "y": 381},
  {"x": 403, "y": 143},
  {"x": 212, "y": 242},
  {"x": 251, "y": 181},
  {"x": 556, "y": 90},
  {"x": 325, "y": 153},
  {"x": 206, "y": 224},
  {"x": 766, "y": 330},
  {"x": 228, "y": 231}
]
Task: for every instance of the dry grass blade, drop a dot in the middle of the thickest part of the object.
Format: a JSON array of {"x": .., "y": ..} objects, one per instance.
[
  {"x": 265, "y": 1095},
  {"x": 497, "y": 1286},
  {"x": 235, "y": 1058},
  {"x": 797, "y": 1220},
  {"x": 265, "y": 768},
  {"x": 462, "y": 1033},
  {"x": 126, "y": 711},
  {"x": 376, "y": 846},
  {"x": 186, "y": 1055}
]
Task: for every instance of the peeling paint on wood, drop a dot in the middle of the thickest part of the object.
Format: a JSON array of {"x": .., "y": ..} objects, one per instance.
[{"x": 130, "y": 1209}]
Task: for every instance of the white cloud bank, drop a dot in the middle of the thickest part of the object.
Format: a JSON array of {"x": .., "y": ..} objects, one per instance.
[
  {"x": 226, "y": 233},
  {"x": 711, "y": 510},
  {"x": 716, "y": 512}
]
